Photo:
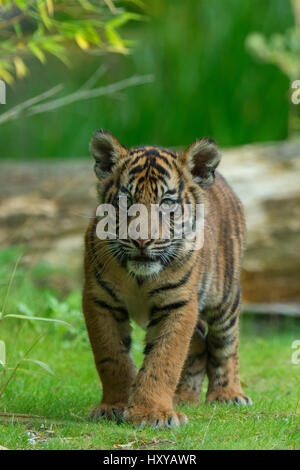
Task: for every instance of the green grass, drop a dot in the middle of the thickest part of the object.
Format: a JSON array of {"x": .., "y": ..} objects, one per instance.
[{"x": 64, "y": 400}]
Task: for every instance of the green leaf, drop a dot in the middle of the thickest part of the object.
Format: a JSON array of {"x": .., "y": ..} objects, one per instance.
[
  {"x": 115, "y": 39},
  {"x": 41, "y": 364},
  {"x": 37, "y": 52},
  {"x": 25, "y": 317},
  {"x": 124, "y": 18}
]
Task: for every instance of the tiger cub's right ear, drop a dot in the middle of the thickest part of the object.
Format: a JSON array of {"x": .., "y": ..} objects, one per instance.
[{"x": 107, "y": 152}]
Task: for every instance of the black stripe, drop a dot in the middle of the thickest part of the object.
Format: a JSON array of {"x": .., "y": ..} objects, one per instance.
[
  {"x": 204, "y": 287},
  {"x": 106, "y": 359},
  {"x": 173, "y": 285},
  {"x": 220, "y": 343},
  {"x": 173, "y": 306},
  {"x": 113, "y": 310},
  {"x": 127, "y": 342},
  {"x": 157, "y": 320},
  {"x": 194, "y": 193},
  {"x": 229, "y": 326},
  {"x": 148, "y": 348},
  {"x": 140, "y": 180},
  {"x": 152, "y": 152},
  {"x": 167, "y": 162},
  {"x": 161, "y": 169},
  {"x": 153, "y": 149},
  {"x": 194, "y": 373},
  {"x": 226, "y": 308},
  {"x": 105, "y": 286},
  {"x": 230, "y": 311},
  {"x": 136, "y": 169},
  {"x": 181, "y": 186},
  {"x": 171, "y": 191},
  {"x": 136, "y": 159},
  {"x": 187, "y": 199}
]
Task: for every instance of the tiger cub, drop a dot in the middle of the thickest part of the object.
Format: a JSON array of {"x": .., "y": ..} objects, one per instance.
[{"x": 188, "y": 300}]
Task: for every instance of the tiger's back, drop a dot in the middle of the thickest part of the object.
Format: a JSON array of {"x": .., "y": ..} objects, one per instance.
[{"x": 225, "y": 226}]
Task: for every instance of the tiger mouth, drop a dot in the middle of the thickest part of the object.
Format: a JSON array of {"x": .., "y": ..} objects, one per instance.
[{"x": 144, "y": 266}]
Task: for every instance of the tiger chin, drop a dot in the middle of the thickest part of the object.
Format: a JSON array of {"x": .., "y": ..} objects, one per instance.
[{"x": 188, "y": 300}]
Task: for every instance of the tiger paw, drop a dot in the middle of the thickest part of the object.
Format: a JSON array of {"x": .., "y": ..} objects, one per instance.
[
  {"x": 229, "y": 396},
  {"x": 156, "y": 418},
  {"x": 107, "y": 411}
]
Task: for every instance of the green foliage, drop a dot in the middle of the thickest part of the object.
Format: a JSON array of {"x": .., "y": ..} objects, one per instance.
[
  {"x": 280, "y": 49},
  {"x": 25, "y": 299},
  {"x": 206, "y": 83},
  {"x": 41, "y": 27},
  {"x": 283, "y": 50},
  {"x": 19, "y": 310}
]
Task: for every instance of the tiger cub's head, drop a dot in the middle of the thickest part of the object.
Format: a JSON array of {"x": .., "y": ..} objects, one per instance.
[{"x": 163, "y": 183}]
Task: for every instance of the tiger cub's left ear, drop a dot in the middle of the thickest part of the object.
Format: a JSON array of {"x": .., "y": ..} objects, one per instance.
[
  {"x": 202, "y": 158},
  {"x": 107, "y": 152}
]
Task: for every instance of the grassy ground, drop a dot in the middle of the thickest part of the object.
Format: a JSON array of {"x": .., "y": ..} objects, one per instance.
[{"x": 63, "y": 400}]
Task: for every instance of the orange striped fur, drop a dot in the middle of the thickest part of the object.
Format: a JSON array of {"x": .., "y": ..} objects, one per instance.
[{"x": 189, "y": 303}]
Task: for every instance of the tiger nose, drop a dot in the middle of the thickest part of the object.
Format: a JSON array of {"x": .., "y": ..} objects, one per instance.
[{"x": 142, "y": 243}]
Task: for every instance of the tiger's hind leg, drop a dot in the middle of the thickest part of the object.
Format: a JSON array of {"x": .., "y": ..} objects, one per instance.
[
  {"x": 222, "y": 354},
  {"x": 194, "y": 370}
]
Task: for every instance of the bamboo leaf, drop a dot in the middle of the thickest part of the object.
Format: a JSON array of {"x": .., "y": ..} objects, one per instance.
[
  {"x": 81, "y": 41},
  {"x": 21, "y": 69},
  {"x": 37, "y": 52},
  {"x": 50, "y": 7},
  {"x": 7, "y": 77}
]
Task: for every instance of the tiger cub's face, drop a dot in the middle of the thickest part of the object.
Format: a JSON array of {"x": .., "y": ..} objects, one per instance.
[{"x": 166, "y": 185}]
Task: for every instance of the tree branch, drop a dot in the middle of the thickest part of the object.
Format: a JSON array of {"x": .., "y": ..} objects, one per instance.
[
  {"x": 34, "y": 106},
  {"x": 84, "y": 94},
  {"x": 18, "y": 110}
]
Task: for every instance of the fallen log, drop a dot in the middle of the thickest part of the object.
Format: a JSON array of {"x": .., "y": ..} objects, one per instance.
[
  {"x": 273, "y": 308},
  {"x": 267, "y": 179}
]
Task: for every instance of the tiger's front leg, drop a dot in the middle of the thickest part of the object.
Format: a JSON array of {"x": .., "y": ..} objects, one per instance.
[
  {"x": 109, "y": 332},
  {"x": 222, "y": 359},
  {"x": 167, "y": 341}
]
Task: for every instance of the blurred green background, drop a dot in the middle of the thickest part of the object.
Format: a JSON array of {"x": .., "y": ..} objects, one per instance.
[{"x": 206, "y": 83}]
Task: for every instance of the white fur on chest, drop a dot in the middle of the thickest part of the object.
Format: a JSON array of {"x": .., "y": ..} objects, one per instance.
[{"x": 138, "y": 308}]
